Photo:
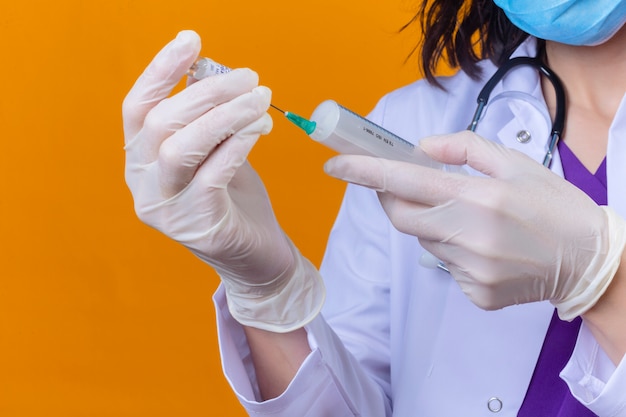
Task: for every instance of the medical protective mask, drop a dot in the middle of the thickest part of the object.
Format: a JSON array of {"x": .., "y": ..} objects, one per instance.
[{"x": 573, "y": 22}]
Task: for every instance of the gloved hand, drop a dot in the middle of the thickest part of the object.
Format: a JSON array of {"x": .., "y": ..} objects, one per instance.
[
  {"x": 186, "y": 169},
  {"x": 518, "y": 235}
]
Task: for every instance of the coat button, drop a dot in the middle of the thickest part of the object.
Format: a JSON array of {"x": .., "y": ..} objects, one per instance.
[
  {"x": 494, "y": 404},
  {"x": 524, "y": 136}
]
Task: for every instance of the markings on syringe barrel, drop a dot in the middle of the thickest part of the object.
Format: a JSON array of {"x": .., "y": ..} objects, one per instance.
[
  {"x": 371, "y": 128},
  {"x": 388, "y": 138}
]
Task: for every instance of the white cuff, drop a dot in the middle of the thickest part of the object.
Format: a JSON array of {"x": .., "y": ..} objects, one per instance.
[{"x": 594, "y": 380}]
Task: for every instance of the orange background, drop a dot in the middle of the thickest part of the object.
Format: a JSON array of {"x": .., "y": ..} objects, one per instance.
[{"x": 99, "y": 314}]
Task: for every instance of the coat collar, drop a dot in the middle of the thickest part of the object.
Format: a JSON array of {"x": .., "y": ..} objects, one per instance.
[{"x": 517, "y": 114}]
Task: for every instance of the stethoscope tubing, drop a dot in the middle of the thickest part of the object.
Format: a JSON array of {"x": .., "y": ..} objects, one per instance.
[{"x": 559, "y": 118}]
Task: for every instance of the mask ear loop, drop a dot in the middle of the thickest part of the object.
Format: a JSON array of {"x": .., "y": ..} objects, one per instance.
[{"x": 559, "y": 118}]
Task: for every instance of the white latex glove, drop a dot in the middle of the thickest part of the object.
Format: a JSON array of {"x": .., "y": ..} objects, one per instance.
[
  {"x": 519, "y": 235},
  {"x": 186, "y": 169}
]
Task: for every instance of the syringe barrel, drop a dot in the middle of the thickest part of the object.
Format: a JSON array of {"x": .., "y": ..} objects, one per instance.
[{"x": 348, "y": 133}]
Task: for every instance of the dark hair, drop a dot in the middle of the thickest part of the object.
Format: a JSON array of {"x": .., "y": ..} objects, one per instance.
[{"x": 463, "y": 32}]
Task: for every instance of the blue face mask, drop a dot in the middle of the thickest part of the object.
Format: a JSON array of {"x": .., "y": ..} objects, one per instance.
[{"x": 574, "y": 22}]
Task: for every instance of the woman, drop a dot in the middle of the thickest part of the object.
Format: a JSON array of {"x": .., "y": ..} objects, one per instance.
[{"x": 396, "y": 337}]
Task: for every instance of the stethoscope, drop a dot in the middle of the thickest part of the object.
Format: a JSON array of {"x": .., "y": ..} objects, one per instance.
[{"x": 559, "y": 118}]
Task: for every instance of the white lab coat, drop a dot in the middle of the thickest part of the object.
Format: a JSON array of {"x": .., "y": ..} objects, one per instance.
[{"x": 399, "y": 339}]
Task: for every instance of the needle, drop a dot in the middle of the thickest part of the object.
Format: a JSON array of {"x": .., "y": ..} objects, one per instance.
[
  {"x": 278, "y": 109},
  {"x": 304, "y": 124}
]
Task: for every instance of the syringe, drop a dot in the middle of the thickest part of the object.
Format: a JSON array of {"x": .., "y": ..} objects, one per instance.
[{"x": 339, "y": 128}]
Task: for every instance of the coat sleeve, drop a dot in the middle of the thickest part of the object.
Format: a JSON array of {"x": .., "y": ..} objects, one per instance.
[
  {"x": 329, "y": 382},
  {"x": 592, "y": 377},
  {"x": 347, "y": 372},
  {"x": 594, "y": 380}
]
